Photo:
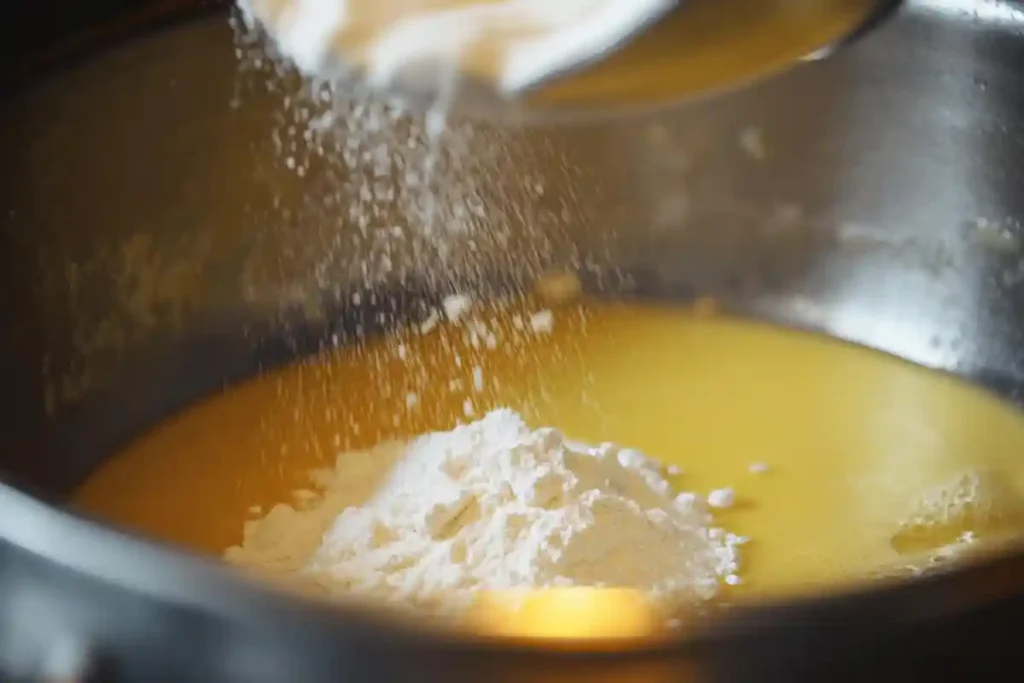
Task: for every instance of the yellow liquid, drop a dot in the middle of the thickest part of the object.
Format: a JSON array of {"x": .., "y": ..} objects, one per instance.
[{"x": 851, "y": 437}]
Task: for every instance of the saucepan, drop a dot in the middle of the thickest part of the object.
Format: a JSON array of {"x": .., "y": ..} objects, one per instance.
[{"x": 159, "y": 244}]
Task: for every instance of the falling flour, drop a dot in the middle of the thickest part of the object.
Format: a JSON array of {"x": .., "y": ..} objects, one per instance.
[{"x": 494, "y": 505}]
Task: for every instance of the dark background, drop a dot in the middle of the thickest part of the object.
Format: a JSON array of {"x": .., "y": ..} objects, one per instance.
[{"x": 36, "y": 35}]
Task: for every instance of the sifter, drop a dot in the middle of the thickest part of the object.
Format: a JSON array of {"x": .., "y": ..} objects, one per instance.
[{"x": 525, "y": 58}]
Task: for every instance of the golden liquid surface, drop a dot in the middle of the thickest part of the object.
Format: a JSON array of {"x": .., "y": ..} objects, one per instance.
[{"x": 851, "y": 438}]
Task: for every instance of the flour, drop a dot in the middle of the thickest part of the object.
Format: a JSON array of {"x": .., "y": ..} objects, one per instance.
[
  {"x": 456, "y": 305},
  {"x": 722, "y": 498},
  {"x": 542, "y": 321},
  {"x": 515, "y": 43},
  {"x": 494, "y": 505}
]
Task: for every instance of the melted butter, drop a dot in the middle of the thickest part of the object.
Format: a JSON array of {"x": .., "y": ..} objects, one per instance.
[{"x": 853, "y": 440}]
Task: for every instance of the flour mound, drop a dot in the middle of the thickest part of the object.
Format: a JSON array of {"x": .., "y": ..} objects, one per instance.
[{"x": 494, "y": 505}]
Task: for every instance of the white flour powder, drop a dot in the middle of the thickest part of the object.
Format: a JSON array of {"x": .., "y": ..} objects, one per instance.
[
  {"x": 523, "y": 40},
  {"x": 494, "y": 505}
]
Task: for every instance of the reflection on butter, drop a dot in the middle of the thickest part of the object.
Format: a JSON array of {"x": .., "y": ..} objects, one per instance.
[{"x": 576, "y": 612}]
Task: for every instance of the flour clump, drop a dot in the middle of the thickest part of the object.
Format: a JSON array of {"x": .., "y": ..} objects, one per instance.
[{"x": 494, "y": 505}]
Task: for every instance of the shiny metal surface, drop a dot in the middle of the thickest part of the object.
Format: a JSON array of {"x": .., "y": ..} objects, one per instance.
[{"x": 158, "y": 242}]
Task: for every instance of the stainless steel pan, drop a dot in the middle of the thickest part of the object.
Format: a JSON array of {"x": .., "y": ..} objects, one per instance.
[{"x": 156, "y": 245}]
